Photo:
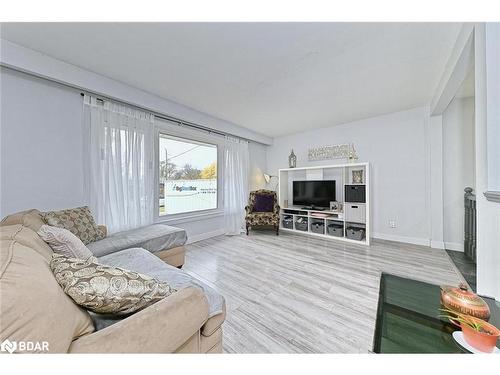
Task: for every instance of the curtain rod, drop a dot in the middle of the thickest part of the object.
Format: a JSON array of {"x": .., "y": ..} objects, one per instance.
[
  {"x": 177, "y": 120},
  {"x": 157, "y": 114}
]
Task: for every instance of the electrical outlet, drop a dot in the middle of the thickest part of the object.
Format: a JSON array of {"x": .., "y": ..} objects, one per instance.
[{"x": 392, "y": 223}]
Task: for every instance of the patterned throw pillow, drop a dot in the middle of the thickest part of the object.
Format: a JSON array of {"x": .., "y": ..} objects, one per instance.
[
  {"x": 63, "y": 242},
  {"x": 78, "y": 221},
  {"x": 106, "y": 289}
]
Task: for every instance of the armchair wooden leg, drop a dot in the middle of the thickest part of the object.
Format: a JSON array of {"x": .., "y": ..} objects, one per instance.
[
  {"x": 278, "y": 230},
  {"x": 247, "y": 229}
]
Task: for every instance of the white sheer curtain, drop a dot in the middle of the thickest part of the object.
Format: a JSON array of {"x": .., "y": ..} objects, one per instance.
[
  {"x": 120, "y": 176},
  {"x": 236, "y": 171}
]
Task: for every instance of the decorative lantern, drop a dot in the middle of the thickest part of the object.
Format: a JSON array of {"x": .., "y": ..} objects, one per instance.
[
  {"x": 352, "y": 156},
  {"x": 464, "y": 301},
  {"x": 292, "y": 160}
]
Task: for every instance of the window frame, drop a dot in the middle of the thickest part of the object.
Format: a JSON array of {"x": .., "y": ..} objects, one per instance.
[{"x": 171, "y": 129}]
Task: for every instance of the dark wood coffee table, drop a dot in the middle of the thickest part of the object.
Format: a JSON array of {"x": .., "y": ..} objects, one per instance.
[{"x": 408, "y": 321}]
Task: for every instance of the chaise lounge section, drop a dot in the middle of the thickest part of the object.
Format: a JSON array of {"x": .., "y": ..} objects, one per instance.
[
  {"x": 188, "y": 321},
  {"x": 165, "y": 241}
]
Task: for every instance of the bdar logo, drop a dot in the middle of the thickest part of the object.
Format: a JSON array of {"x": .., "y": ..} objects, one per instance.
[
  {"x": 8, "y": 346},
  {"x": 24, "y": 346}
]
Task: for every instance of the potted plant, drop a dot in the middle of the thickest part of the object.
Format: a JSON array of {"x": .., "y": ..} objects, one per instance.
[{"x": 477, "y": 333}]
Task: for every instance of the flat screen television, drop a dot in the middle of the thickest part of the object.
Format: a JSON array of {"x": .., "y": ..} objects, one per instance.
[{"x": 313, "y": 193}]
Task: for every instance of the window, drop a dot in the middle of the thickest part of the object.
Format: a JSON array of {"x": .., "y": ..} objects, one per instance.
[{"x": 187, "y": 175}]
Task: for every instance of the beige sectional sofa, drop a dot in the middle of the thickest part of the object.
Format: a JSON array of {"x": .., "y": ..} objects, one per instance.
[{"x": 34, "y": 307}]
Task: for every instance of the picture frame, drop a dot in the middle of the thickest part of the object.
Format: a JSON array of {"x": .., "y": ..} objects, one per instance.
[
  {"x": 358, "y": 176},
  {"x": 335, "y": 206}
]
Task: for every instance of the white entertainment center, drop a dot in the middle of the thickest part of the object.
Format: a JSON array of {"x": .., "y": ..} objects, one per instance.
[{"x": 351, "y": 223}]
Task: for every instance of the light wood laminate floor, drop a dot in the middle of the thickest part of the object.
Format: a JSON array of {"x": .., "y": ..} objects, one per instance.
[{"x": 297, "y": 294}]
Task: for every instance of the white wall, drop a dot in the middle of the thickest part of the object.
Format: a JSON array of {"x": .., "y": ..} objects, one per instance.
[
  {"x": 487, "y": 59},
  {"x": 481, "y": 41},
  {"x": 41, "y": 145},
  {"x": 458, "y": 167},
  {"x": 42, "y": 150},
  {"x": 396, "y": 145},
  {"x": 493, "y": 99},
  {"x": 38, "y": 64},
  {"x": 258, "y": 165},
  {"x": 435, "y": 183}
]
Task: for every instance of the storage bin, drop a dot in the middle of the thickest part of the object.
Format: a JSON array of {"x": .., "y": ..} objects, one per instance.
[
  {"x": 355, "y": 193},
  {"x": 335, "y": 229},
  {"x": 355, "y": 232},
  {"x": 355, "y": 212},
  {"x": 301, "y": 224},
  {"x": 287, "y": 222},
  {"x": 318, "y": 226}
]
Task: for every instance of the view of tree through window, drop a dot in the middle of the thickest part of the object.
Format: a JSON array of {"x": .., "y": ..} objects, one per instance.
[{"x": 188, "y": 175}]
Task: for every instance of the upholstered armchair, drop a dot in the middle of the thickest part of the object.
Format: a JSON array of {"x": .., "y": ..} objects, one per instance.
[{"x": 262, "y": 209}]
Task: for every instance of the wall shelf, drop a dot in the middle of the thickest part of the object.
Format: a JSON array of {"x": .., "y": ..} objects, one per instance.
[{"x": 357, "y": 215}]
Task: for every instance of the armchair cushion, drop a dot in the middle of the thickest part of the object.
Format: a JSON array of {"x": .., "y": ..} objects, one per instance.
[
  {"x": 263, "y": 203},
  {"x": 262, "y": 218},
  {"x": 253, "y": 196}
]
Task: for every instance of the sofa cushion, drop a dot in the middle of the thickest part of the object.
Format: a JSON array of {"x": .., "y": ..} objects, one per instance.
[
  {"x": 153, "y": 238},
  {"x": 33, "y": 306},
  {"x": 107, "y": 289},
  {"x": 63, "y": 242},
  {"x": 78, "y": 221},
  {"x": 142, "y": 261},
  {"x": 30, "y": 218}
]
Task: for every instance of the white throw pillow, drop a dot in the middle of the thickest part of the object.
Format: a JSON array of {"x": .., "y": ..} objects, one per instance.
[{"x": 63, "y": 242}]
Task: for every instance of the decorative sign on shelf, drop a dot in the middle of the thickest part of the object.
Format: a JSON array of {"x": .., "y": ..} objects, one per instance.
[{"x": 332, "y": 152}]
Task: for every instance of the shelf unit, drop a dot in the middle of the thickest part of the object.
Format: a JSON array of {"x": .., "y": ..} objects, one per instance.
[{"x": 342, "y": 174}]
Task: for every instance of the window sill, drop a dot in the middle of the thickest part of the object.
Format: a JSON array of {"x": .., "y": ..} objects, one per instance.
[
  {"x": 493, "y": 196},
  {"x": 187, "y": 218}
]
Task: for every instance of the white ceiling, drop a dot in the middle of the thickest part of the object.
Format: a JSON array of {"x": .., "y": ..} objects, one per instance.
[{"x": 273, "y": 78}]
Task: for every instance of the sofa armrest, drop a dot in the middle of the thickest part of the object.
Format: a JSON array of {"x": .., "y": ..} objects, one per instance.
[
  {"x": 103, "y": 229},
  {"x": 159, "y": 328}
]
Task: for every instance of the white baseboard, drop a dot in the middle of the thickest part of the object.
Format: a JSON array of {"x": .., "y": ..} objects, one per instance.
[
  {"x": 437, "y": 244},
  {"x": 204, "y": 236},
  {"x": 382, "y": 236},
  {"x": 456, "y": 246},
  {"x": 405, "y": 239}
]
